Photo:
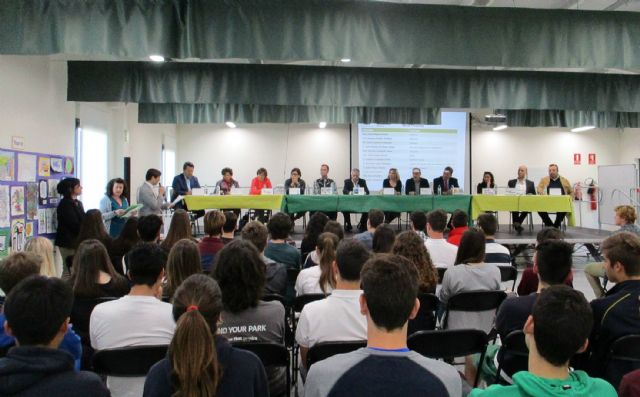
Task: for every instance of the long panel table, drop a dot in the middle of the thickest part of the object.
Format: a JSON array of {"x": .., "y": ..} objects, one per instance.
[
  {"x": 259, "y": 202},
  {"x": 529, "y": 203}
]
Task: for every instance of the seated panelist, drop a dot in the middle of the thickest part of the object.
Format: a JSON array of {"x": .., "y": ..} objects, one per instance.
[{"x": 415, "y": 183}]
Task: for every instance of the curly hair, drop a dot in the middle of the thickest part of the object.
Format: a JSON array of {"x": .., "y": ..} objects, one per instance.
[
  {"x": 409, "y": 245},
  {"x": 240, "y": 272}
]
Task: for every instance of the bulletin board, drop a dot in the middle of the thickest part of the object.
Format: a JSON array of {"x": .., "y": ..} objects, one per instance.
[{"x": 28, "y": 195}]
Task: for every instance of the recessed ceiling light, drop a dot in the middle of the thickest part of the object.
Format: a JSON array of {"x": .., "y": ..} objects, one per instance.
[
  {"x": 231, "y": 124},
  {"x": 345, "y": 60},
  {"x": 156, "y": 58},
  {"x": 585, "y": 128},
  {"x": 500, "y": 127},
  {"x": 323, "y": 124}
]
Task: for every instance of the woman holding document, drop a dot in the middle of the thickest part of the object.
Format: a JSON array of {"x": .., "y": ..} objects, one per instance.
[{"x": 113, "y": 206}]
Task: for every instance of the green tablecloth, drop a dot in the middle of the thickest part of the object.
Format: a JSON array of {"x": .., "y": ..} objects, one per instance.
[
  {"x": 529, "y": 203},
  {"x": 349, "y": 203},
  {"x": 259, "y": 202}
]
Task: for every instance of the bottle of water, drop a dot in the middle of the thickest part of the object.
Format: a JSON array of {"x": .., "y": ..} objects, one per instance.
[
  {"x": 439, "y": 190},
  {"x": 356, "y": 189}
]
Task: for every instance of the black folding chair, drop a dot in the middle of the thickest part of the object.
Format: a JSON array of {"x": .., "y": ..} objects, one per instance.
[
  {"x": 445, "y": 344},
  {"x": 624, "y": 357},
  {"x": 508, "y": 273},
  {"x": 271, "y": 354},
  {"x": 324, "y": 350},
  {"x": 80, "y": 315},
  {"x": 274, "y": 297},
  {"x": 129, "y": 361},
  {"x": 5, "y": 349},
  {"x": 425, "y": 319},
  {"x": 513, "y": 355},
  {"x": 473, "y": 301},
  {"x": 441, "y": 271}
]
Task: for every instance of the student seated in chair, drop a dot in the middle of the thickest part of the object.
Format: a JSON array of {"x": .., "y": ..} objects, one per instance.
[
  {"x": 386, "y": 367},
  {"x": 37, "y": 314},
  {"x": 558, "y": 328}
]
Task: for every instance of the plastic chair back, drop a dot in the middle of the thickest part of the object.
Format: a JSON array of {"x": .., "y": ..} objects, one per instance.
[{"x": 130, "y": 361}]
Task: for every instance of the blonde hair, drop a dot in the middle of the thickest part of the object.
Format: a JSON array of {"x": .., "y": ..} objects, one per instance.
[
  {"x": 43, "y": 247},
  {"x": 626, "y": 212}
]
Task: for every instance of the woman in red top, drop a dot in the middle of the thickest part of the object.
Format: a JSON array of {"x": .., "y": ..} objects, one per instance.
[{"x": 260, "y": 182}]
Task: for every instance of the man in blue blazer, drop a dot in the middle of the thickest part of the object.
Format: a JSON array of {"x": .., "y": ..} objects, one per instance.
[
  {"x": 443, "y": 184},
  {"x": 183, "y": 184}
]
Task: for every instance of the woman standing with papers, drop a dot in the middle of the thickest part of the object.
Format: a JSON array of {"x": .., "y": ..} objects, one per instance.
[{"x": 113, "y": 206}]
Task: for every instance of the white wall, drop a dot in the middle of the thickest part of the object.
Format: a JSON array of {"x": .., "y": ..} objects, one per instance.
[
  {"x": 33, "y": 104},
  {"x": 276, "y": 147}
]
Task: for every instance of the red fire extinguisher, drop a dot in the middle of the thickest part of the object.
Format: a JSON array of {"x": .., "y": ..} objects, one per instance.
[{"x": 593, "y": 195}]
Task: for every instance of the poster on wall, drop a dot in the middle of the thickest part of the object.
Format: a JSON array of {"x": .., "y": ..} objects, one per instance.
[
  {"x": 29, "y": 230},
  {"x": 577, "y": 159},
  {"x": 26, "y": 167},
  {"x": 53, "y": 192},
  {"x": 7, "y": 166},
  {"x": 68, "y": 165},
  {"x": 44, "y": 166},
  {"x": 42, "y": 220},
  {"x": 4, "y": 242},
  {"x": 32, "y": 200},
  {"x": 18, "y": 238},
  {"x": 5, "y": 206},
  {"x": 56, "y": 165},
  {"x": 592, "y": 158},
  {"x": 43, "y": 192},
  {"x": 52, "y": 220},
  {"x": 17, "y": 200}
]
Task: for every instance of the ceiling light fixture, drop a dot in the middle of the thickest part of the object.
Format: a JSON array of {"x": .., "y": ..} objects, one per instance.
[
  {"x": 323, "y": 124},
  {"x": 156, "y": 58},
  {"x": 231, "y": 124},
  {"x": 585, "y": 128},
  {"x": 345, "y": 60},
  {"x": 500, "y": 127}
]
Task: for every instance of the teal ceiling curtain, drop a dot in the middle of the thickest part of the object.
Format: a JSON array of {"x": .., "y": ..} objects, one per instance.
[
  {"x": 180, "y": 113},
  {"x": 570, "y": 118},
  {"x": 368, "y": 32},
  {"x": 179, "y": 82}
]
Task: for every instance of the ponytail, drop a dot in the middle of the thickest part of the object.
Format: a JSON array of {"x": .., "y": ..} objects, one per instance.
[
  {"x": 196, "y": 370},
  {"x": 327, "y": 245}
]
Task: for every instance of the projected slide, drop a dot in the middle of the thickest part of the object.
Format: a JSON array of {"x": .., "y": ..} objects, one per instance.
[{"x": 428, "y": 147}]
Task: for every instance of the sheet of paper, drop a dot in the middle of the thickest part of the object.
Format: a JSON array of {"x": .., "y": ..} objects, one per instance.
[
  {"x": 177, "y": 200},
  {"x": 17, "y": 235},
  {"x": 27, "y": 167},
  {"x": 5, "y": 206},
  {"x": 56, "y": 165},
  {"x": 7, "y": 166},
  {"x": 17, "y": 200},
  {"x": 32, "y": 200},
  {"x": 44, "y": 166}
]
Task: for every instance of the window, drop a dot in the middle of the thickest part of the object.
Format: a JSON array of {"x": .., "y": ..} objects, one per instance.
[{"x": 92, "y": 164}]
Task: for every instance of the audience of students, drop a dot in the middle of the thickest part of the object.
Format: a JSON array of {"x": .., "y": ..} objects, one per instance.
[
  {"x": 179, "y": 228},
  {"x": 495, "y": 253},
  {"x": 245, "y": 318},
  {"x": 409, "y": 245},
  {"x": 212, "y": 242},
  {"x": 557, "y": 328},
  {"x": 278, "y": 249},
  {"x": 617, "y": 313},
  {"x": 183, "y": 261},
  {"x": 459, "y": 225},
  {"x": 386, "y": 367},
  {"x": 43, "y": 247},
  {"x": 442, "y": 253},
  {"x": 553, "y": 260},
  {"x": 276, "y": 273},
  {"x": 137, "y": 319},
  {"x": 338, "y": 317},
  {"x": 37, "y": 315},
  {"x": 383, "y": 239},
  {"x": 200, "y": 361},
  {"x": 15, "y": 268},
  {"x": 320, "y": 279},
  {"x": 374, "y": 219},
  {"x": 229, "y": 227}
]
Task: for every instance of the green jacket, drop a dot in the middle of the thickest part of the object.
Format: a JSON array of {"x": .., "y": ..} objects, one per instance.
[{"x": 528, "y": 385}]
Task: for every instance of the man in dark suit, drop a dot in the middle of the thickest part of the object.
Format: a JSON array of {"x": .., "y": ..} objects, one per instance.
[
  {"x": 413, "y": 185},
  {"x": 444, "y": 183},
  {"x": 522, "y": 186},
  {"x": 349, "y": 186},
  {"x": 183, "y": 184}
]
